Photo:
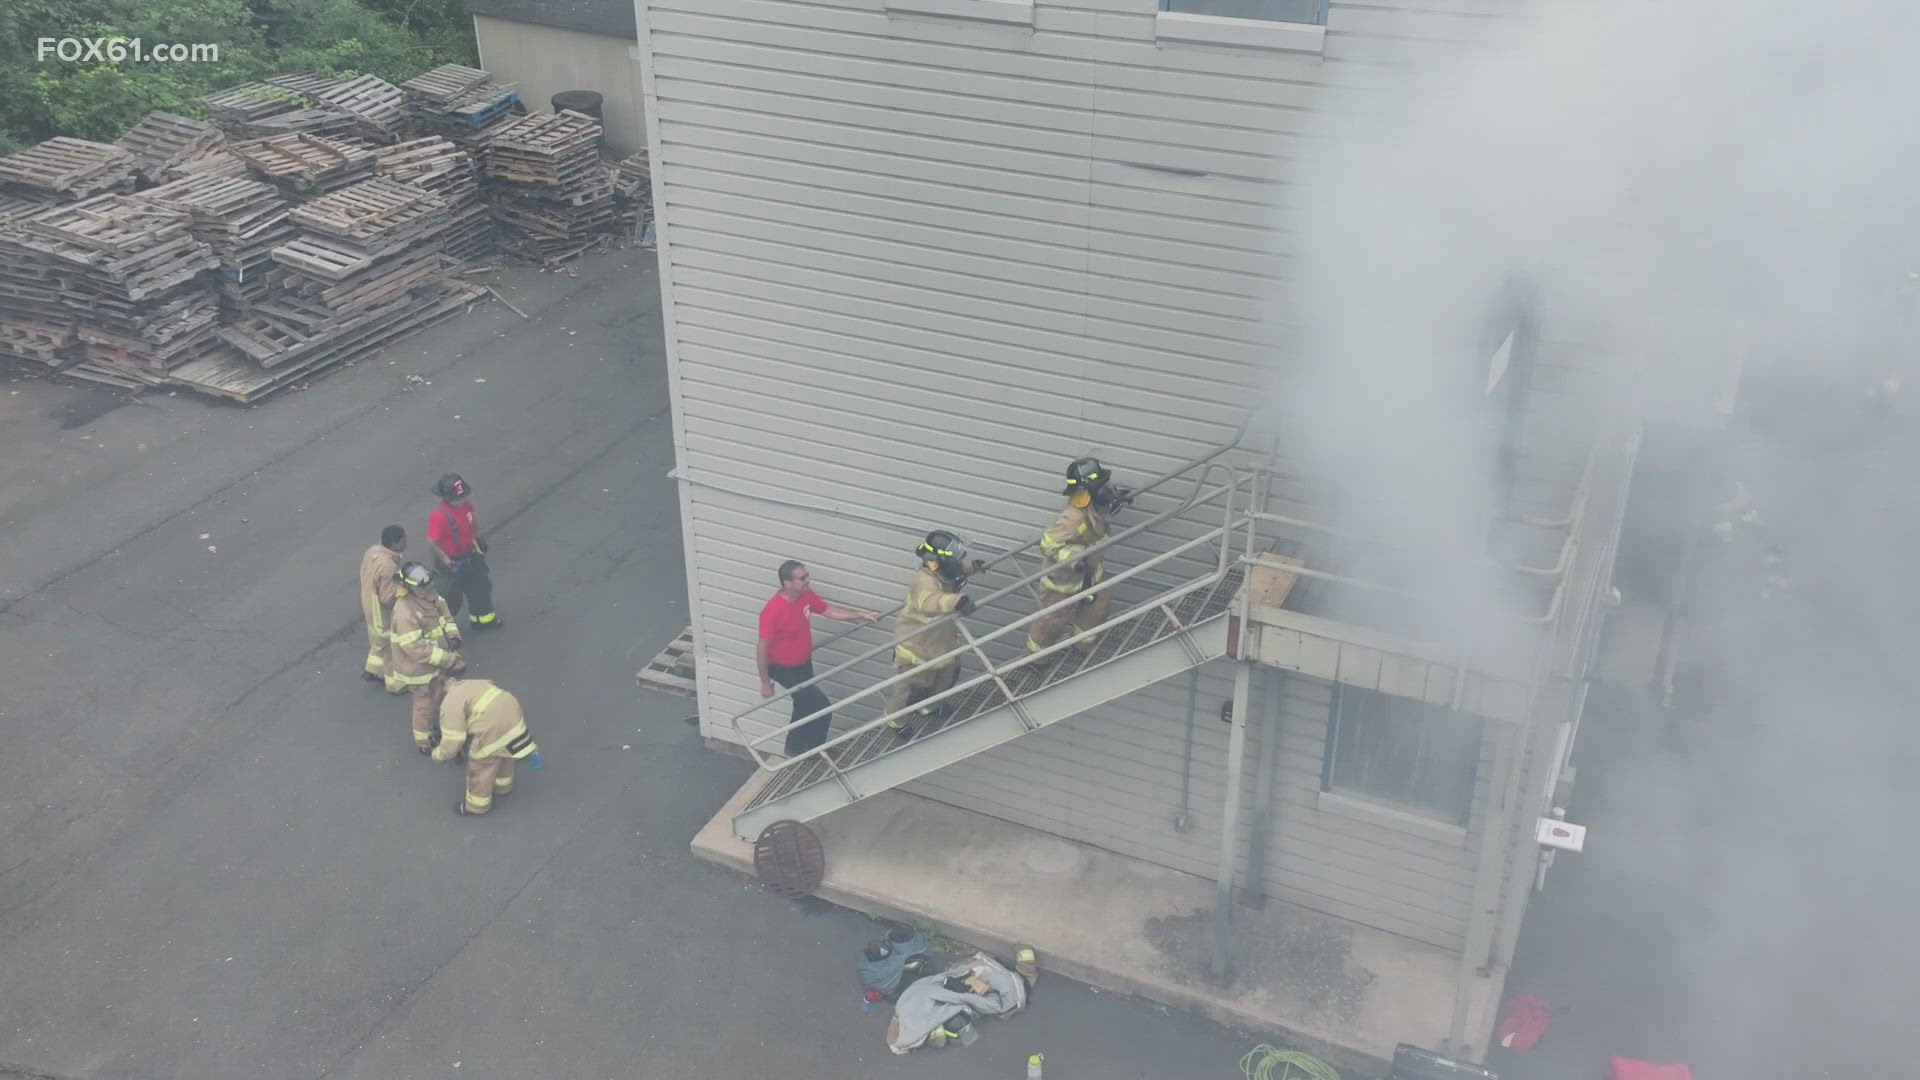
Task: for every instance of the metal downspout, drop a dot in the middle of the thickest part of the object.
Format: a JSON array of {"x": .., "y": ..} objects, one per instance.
[
  {"x": 1254, "y": 893},
  {"x": 1230, "y": 820},
  {"x": 1182, "y": 820},
  {"x": 1477, "y": 947}
]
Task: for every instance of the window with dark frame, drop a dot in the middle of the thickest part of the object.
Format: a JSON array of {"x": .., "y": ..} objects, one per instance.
[
  {"x": 1310, "y": 12},
  {"x": 1406, "y": 754}
]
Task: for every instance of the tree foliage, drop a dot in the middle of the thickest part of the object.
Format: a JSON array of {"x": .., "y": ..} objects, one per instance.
[{"x": 92, "y": 98}]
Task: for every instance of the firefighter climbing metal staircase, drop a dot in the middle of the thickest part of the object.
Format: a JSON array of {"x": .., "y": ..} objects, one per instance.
[{"x": 1165, "y": 627}]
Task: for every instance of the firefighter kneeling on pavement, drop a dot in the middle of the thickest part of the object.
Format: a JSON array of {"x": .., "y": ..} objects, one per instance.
[
  {"x": 487, "y": 721},
  {"x": 935, "y": 592},
  {"x": 1092, "y": 500},
  {"x": 426, "y": 648}
]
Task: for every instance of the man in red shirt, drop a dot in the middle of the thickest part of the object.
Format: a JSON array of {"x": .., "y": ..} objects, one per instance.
[
  {"x": 458, "y": 553},
  {"x": 785, "y": 654}
]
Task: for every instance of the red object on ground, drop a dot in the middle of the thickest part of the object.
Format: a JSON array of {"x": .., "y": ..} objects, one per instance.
[
  {"x": 1629, "y": 1069},
  {"x": 1523, "y": 1021}
]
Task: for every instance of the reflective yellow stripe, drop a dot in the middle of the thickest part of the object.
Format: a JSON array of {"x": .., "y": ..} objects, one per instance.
[
  {"x": 375, "y": 660},
  {"x": 493, "y": 748},
  {"x": 407, "y": 638},
  {"x": 904, "y": 655},
  {"x": 1051, "y": 586},
  {"x": 437, "y": 657},
  {"x": 487, "y": 618},
  {"x": 477, "y": 800},
  {"x": 491, "y": 695},
  {"x": 502, "y": 783}
]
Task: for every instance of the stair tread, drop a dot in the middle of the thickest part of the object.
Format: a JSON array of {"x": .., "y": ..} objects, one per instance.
[{"x": 985, "y": 697}]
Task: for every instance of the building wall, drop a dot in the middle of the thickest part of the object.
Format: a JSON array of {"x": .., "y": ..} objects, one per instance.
[
  {"x": 913, "y": 265},
  {"x": 544, "y": 60}
]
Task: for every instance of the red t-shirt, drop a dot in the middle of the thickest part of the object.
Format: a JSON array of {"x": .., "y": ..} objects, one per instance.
[
  {"x": 451, "y": 528},
  {"x": 785, "y": 627}
]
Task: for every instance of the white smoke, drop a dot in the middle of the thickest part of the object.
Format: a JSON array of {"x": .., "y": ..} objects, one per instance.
[{"x": 1682, "y": 183}]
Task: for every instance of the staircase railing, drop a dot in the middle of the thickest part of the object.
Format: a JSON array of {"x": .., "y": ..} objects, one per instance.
[{"x": 1203, "y": 468}]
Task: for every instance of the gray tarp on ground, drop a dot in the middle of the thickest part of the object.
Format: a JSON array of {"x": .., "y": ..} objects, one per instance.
[{"x": 927, "y": 1003}]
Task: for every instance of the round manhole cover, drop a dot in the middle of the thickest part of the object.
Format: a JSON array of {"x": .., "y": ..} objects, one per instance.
[{"x": 788, "y": 859}]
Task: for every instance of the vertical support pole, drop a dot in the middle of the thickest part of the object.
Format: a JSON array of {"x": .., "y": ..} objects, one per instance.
[
  {"x": 1182, "y": 819},
  {"x": 1230, "y": 820},
  {"x": 1486, "y": 886},
  {"x": 1254, "y": 894}
]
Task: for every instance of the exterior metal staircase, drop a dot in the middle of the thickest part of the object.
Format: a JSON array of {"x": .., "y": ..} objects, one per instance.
[
  {"x": 1170, "y": 615},
  {"x": 1161, "y": 643}
]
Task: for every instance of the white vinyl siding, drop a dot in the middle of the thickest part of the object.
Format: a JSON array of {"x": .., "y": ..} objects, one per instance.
[{"x": 916, "y": 264}]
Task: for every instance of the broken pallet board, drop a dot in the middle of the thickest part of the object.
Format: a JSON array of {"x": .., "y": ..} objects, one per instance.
[{"x": 673, "y": 669}]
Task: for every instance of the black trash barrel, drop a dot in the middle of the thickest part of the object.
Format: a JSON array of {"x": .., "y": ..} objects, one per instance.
[{"x": 587, "y": 102}]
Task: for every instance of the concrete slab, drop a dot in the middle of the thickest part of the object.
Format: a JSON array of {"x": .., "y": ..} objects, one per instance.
[{"x": 1345, "y": 992}]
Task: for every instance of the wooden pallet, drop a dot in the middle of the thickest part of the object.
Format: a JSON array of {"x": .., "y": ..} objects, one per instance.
[
  {"x": 161, "y": 141},
  {"x": 305, "y": 160},
  {"x": 673, "y": 669},
  {"x": 374, "y": 215},
  {"x": 305, "y": 86},
  {"x": 446, "y": 83},
  {"x": 303, "y": 121},
  {"x": 376, "y": 105},
  {"x": 230, "y": 374},
  {"x": 249, "y": 102},
  {"x": 71, "y": 168},
  {"x": 322, "y": 258}
]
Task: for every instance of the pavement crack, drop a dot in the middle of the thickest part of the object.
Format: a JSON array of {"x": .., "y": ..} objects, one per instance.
[{"x": 406, "y": 996}]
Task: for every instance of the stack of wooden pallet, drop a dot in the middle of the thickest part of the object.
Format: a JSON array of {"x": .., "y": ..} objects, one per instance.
[
  {"x": 124, "y": 273},
  {"x": 242, "y": 220},
  {"x": 280, "y": 105},
  {"x": 63, "y": 169},
  {"x": 438, "y": 165},
  {"x": 162, "y": 143},
  {"x": 304, "y": 167},
  {"x": 307, "y": 351},
  {"x": 550, "y": 192},
  {"x": 461, "y": 104},
  {"x": 376, "y": 106},
  {"x": 632, "y": 180},
  {"x": 365, "y": 269},
  {"x": 364, "y": 244}
]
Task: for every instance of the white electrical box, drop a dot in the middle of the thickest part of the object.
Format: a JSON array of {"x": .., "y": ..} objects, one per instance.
[{"x": 1564, "y": 835}]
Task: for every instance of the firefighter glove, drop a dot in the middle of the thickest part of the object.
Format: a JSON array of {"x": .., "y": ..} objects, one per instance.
[
  {"x": 978, "y": 566},
  {"x": 965, "y": 606}
]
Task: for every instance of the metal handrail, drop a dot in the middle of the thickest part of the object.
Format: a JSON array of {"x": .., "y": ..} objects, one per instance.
[
  {"x": 1203, "y": 462},
  {"x": 1239, "y": 433},
  {"x": 997, "y": 672}
]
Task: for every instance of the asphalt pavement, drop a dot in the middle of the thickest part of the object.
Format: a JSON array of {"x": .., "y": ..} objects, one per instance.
[{"x": 219, "y": 854}]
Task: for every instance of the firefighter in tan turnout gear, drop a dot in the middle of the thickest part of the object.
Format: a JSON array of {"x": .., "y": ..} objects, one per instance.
[
  {"x": 426, "y": 648},
  {"x": 935, "y": 592},
  {"x": 379, "y": 587},
  {"x": 1092, "y": 500},
  {"x": 487, "y": 721}
]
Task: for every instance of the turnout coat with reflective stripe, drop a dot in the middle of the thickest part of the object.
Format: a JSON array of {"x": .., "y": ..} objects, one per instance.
[
  {"x": 378, "y": 588},
  {"x": 927, "y": 599},
  {"x": 483, "y": 717},
  {"x": 1077, "y": 529},
  {"x": 421, "y": 629}
]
